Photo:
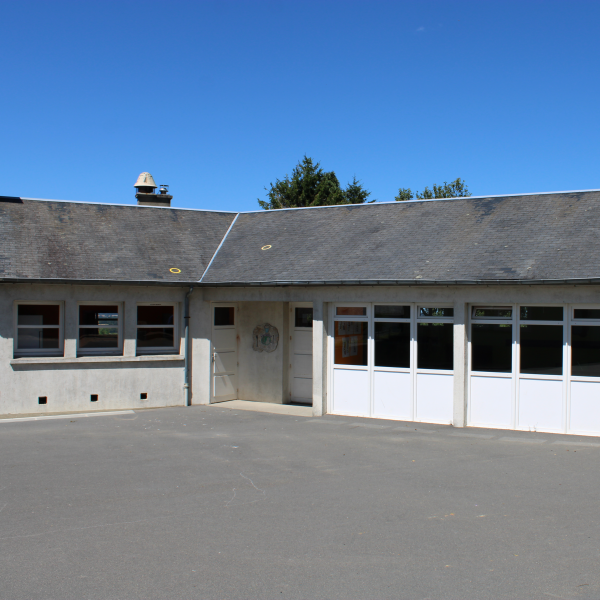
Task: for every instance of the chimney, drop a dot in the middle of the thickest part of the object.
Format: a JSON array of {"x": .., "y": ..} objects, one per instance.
[{"x": 146, "y": 196}]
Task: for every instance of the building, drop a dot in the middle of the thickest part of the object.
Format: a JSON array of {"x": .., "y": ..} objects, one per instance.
[{"x": 471, "y": 311}]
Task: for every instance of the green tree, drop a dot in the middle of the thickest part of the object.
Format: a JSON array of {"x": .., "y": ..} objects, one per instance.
[
  {"x": 309, "y": 185},
  {"x": 455, "y": 189}
]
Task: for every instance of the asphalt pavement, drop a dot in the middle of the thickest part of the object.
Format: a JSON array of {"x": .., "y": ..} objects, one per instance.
[{"x": 218, "y": 504}]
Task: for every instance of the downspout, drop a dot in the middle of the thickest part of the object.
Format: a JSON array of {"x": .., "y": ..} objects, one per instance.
[{"x": 187, "y": 349}]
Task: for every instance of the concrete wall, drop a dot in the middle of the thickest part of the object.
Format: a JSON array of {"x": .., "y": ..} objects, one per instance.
[
  {"x": 69, "y": 381},
  {"x": 261, "y": 374}
]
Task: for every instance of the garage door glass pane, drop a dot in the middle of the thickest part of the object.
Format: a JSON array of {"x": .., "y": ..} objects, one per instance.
[
  {"x": 352, "y": 311},
  {"x": 491, "y": 348},
  {"x": 351, "y": 343},
  {"x": 585, "y": 351},
  {"x": 392, "y": 345},
  {"x": 541, "y": 313},
  {"x": 435, "y": 346},
  {"x": 224, "y": 315},
  {"x": 587, "y": 313},
  {"x": 542, "y": 349},
  {"x": 392, "y": 312}
]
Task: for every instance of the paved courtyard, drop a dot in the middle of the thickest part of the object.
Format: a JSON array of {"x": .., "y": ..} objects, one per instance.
[{"x": 217, "y": 503}]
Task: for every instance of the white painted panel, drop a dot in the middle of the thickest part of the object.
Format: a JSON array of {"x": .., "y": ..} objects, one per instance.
[
  {"x": 491, "y": 402},
  {"x": 540, "y": 404},
  {"x": 225, "y": 387},
  {"x": 224, "y": 339},
  {"x": 392, "y": 395},
  {"x": 302, "y": 389},
  {"x": 302, "y": 365},
  {"x": 225, "y": 362},
  {"x": 585, "y": 407},
  {"x": 351, "y": 394},
  {"x": 435, "y": 397},
  {"x": 302, "y": 341}
]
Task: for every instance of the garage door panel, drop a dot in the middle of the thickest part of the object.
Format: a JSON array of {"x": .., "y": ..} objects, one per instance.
[
  {"x": 491, "y": 402},
  {"x": 351, "y": 392},
  {"x": 585, "y": 408},
  {"x": 392, "y": 395},
  {"x": 435, "y": 398},
  {"x": 540, "y": 405}
]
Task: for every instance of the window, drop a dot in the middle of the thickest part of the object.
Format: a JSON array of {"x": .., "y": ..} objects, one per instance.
[
  {"x": 156, "y": 328},
  {"x": 491, "y": 343},
  {"x": 99, "y": 329},
  {"x": 587, "y": 313},
  {"x": 585, "y": 350},
  {"x": 435, "y": 338},
  {"x": 351, "y": 338},
  {"x": 39, "y": 330},
  {"x": 392, "y": 344},
  {"x": 385, "y": 311},
  {"x": 541, "y": 343},
  {"x": 351, "y": 311},
  {"x": 303, "y": 317},
  {"x": 224, "y": 315}
]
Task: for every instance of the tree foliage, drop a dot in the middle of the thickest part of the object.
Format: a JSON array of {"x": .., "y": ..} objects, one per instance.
[
  {"x": 455, "y": 189},
  {"x": 310, "y": 185}
]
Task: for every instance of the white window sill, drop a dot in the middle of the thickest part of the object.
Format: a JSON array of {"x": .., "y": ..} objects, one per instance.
[{"x": 40, "y": 360}]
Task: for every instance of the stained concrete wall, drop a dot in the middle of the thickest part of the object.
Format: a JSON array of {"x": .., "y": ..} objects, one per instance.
[
  {"x": 69, "y": 381},
  {"x": 261, "y": 375}
]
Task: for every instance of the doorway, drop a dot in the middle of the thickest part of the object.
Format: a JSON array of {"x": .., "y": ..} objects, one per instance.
[
  {"x": 224, "y": 362},
  {"x": 301, "y": 340}
]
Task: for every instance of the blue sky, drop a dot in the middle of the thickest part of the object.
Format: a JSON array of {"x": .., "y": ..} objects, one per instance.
[{"x": 217, "y": 99}]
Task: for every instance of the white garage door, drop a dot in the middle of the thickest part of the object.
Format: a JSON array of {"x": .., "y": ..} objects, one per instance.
[{"x": 393, "y": 361}]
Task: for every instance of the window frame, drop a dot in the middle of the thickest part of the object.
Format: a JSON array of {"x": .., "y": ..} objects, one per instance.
[
  {"x": 157, "y": 350},
  {"x": 101, "y": 351},
  {"x": 60, "y": 351}
]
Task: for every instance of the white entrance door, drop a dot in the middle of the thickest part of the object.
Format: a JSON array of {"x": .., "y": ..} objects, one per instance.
[
  {"x": 224, "y": 352},
  {"x": 301, "y": 340}
]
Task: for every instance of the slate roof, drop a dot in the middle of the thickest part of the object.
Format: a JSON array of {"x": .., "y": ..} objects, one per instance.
[
  {"x": 500, "y": 239},
  {"x": 522, "y": 239},
  {"x": 53, "y": 240}
]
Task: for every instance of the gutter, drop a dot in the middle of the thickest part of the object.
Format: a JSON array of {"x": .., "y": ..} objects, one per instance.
[
  {"x": 187, "y": 349},
  {"x": 281, "y": 283}
]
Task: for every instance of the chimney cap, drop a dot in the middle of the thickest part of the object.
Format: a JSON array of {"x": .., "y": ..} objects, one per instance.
[{"x": 145, "y": 180}]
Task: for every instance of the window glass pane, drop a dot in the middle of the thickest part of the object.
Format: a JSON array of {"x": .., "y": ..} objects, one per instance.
[
  {"x": 492, "y": 313},
  {"x": 426, "y": 311},
  {"x": 38, "y": 314},
  {"x": 155, "y": 337},
  {"x": 155, "y": 315},
  {"x": 585, "y": 351},
  {"x": 392, "y": 312},
  {"x": 99, "y": 315},
  {"x": 30, "y": 338},
  {"x": 351, "y": 343},
  {"x": 392, "y": 345},
  {"x": 435, "y": 346},
  {"x": 542, "y": 313},
  {"x": 224, "y": 315},
  {"x": 304, "y": 317},
  {"x": 491, "y": 348},
  {"x": 587, "y": 313},
  {"x": 542, "y": 349},
  {"x": 98, "y": 337},
  {"x": 353, "y": 311}
]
